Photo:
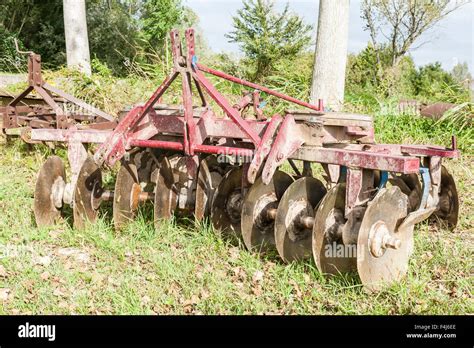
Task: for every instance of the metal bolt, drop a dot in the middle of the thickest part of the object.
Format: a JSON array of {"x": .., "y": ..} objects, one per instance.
[{"x": 391, "y": 242}]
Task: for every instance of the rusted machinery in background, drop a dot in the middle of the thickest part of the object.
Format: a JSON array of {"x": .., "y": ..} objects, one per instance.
[
  {"x": 224, "y": 161},
  {"x": 55, "y": 117}
]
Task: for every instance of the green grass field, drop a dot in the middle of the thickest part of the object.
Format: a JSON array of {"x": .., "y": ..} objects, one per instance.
[{"x": 184, "y": 268}]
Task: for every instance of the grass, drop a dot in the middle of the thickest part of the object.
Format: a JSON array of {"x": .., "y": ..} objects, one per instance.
[{"x": 183, "y": 268}]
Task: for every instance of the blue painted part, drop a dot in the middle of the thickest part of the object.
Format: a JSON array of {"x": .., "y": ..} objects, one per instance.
[
  {"x": 194, "y": 61},
  {"x": 262, "y": 104},
  {"x": 342, "y": 174},
  {"x": 426, "y": 179},
  {"x": 383, "y": 179}
]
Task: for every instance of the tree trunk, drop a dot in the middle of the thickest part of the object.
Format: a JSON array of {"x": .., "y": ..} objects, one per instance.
[
  {"x": 77, "y": 42},
  {"x": 331, "y": 54}
]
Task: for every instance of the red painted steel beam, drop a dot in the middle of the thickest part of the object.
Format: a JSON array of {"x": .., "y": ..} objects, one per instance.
[
  {"x": 65, "y": 135},
  {"x": 224, "y": 104},
  {"x": 171, "y": 145},
  {"x": 420, "y": 150},
  {"x": 259, "y": 87},
  {"x": 358, "y": 159},
  {"x": 157, "y": 144},
  {"x": 224, "y": 150}
]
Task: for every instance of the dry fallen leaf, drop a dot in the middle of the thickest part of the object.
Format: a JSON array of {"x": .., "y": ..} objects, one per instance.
[
  {"x": 42, "y": 260},
  {"x": 3, "y": 272},
  {"x": 205, "y": 294},
  {"x": 63, "y": 305},
  {"x": 257, "y": 276},
  {"x": 194, "y": 299},
  {"x": 4, "y": 293},
  {"x": 234, "y": 253},
  {"x": 55, "y": 233},
  {"x": 58, "y": 292},
  {"x": 78, "y": 254},
  {"x": 97, "y": 277},
  {"x": 45, "y": 275},
  {"x": 296, "y": 287},
  {"x": 257, "y": 290}
]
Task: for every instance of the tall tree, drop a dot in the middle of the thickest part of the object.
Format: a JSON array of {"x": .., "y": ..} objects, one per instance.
[
  {"x": 331, "y": 53},
  {"x": 397, "y": 25},
  {"x": 77, "y": 42},
  {"x": 266, "y": 36}
]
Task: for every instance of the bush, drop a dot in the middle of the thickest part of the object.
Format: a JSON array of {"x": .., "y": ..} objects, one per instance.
[
  {"x": 432, "y": 83},
  {"x": 10, "y": 60}
]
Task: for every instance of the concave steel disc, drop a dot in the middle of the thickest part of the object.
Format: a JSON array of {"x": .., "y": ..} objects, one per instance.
[
  {"x": 383, "y": 250},
  {"x": 448, "y": 206},
  {"x": 227, "y": 204},
  {"x": 292, "y": 238},
  {"x": 166, "y": 190},
  {"x": 208, "y": 180},
  {"x": 51, "y": 178},
  {"x": 88, "y": 189},
  {"x": 126, "y": 193},
  {"x": 410, "y": 186},
  {"x": 330, "y": 254},
  {"x": 258, "y": 229}
]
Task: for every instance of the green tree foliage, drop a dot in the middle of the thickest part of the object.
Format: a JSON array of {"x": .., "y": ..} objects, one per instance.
[
  {"x": 37, "y": 24},
  {"x": 371, "y": 71},
  {"x": 159, "y": 17},
  {"x": 432, "y": 82},
  {"x": 113, "y": 33},
  {"x": 384, "y": 69},
  {"x": 266, "y": 36},
  {"x": 121, "y": 32},
  {"x": 9, "y": 59}
]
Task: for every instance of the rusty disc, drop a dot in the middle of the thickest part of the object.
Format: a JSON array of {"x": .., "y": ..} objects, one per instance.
[
  {"x": 166, "y": 191},
  {"x": 330, "y": 254},
  {"x": 87, "y": 193},
  {"x": 126, "y": 193},
  {"x": 226, "y": 204},
  {"x": 292, "y": 238},
  {"x": 448, "y": 206},
  {"x": 258, "y": 229},
  {"x": 410, "y": 186},
  {"x": 383, "y": 250},
  {"x": 48, "y": 191},
  {"x": 208, "y": 180}
]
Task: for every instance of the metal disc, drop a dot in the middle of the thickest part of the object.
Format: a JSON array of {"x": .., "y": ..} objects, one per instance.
[
  {"x": 88, "y": 189},
  {"x": 330, "y": 254},
  {"x": 127, "y": 190},
  {"x": 166, "y": 194},
  {"x": 383, "y": 250},
  {"x": 208, "y": 180},
  {"x": 292, "y": 238},
  {"x": 51, "y": 179},
  {"x": 448, "y": 206},
  {"x": 410, "y": 186},
  {"x": 257, "y": 227},
  {"x": 226, "y": 204}
]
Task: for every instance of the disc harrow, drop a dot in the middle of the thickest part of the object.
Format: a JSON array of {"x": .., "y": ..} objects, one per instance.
[{"x": 226, "y": 164}]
